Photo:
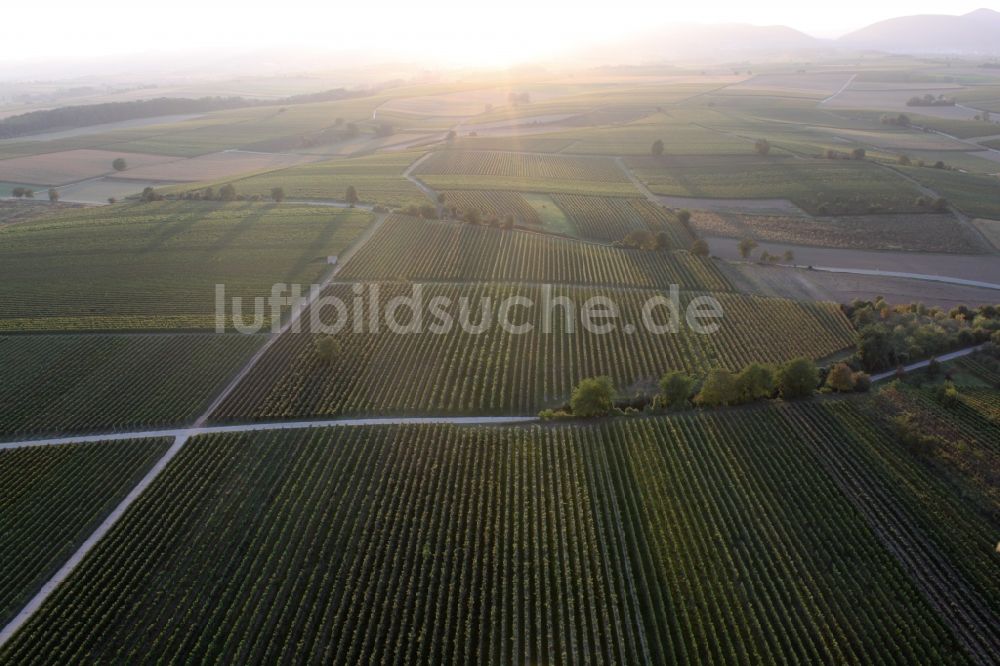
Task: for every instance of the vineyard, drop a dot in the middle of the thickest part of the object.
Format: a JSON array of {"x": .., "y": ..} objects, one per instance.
[
  {"x": 917, "y": 233},
  {"x": 944, "y": 543},
  {"x": 708, "y": 538},
  {"x": 500, "y": 372},
  {"x": 156, "y": 265},
  {"x": 525, "y": 172},
  {"x": 411, "y": 249},
  {"x": 51, "y": 499},
  {"x": 607, "y": 219},
  {"x": 494, "y": 204},
  {"x": 84, "y": 383},
  {"x": 521, "y": 165},
  {"x": 822, "y": 187}
]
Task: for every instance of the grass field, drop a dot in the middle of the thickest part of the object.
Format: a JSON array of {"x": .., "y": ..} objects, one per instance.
[
  {"x": 378, "y": 179},
  {"x": 225, "y": 164},
  {"x": 630, "y": 542},
  {"x": 918, "y": 233},
  {"x": 842, "y": 187},
  {"x": 145, "y": 266},
  {"x": 500, "y": 371},
  {"x": 975, "y": 195},
  {"x": 52, "y": 498},
  {"x": 412, "y": 249},
  {"x": 97, "y": 383},
  {"x": 460, "y": 170}
]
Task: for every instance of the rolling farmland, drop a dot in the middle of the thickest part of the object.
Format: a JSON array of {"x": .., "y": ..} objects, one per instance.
[
  {"x": 377, "y": 178},
  {"x": 155, "y": 266},
  {"x": 526, "y": 172},
  {"x": 627, "y": 542},
  {"x": 495, "y": 371},
  {"x": 607, "y": 219},
  {"x": 85, "y": 383},
  {"x": 819, "y": 186},
  {"x": 412, "y": 249},
  {"x": 51, "y": 498}
]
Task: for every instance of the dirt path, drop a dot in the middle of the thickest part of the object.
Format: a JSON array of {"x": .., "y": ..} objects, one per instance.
[
  {"x": 842, "y": 89},
  {"x": 76, "y": 558},
  {"x": 296, "y": 314},
  {"x": 772, "y": 206},
  {"x": 420, "y": 185},
  {"x": 923, "y": 364}
]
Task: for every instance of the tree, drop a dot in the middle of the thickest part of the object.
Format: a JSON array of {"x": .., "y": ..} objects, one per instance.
[
  {"x": 17, "y": 192},
  {"x": 148, "y": 194},
  {"x": 351, "y": 196},
  {"x": 789, "y": 256},
  {"x": 662, "y": 240},
  {"x": 755, "y": 382},
  {"x": 328, "y": 348},
  {"x": 859, "y": 153},
  {"x": 441, "y": 198},
  {"x": 119, "y": 164},
  {"x": 278, "y": 194},
  {"x": 227, "y": 192},
  {"x": 676, "y": 389},
  {"x": 762, "y": 146},
  {"x": 904, "y": 160},
  {"x": 53, "y": 194},
  {"x": 747, "y": 246},
  {"x": 719, "y": 388},
  {"x": 112, "y": 200},
  {"x": 841, "y": 378},
  {"x": 472, "y": 216},
  {"x": 684, "y": 216},
  {"x": 797, "y": 379},
  {"x": 699, "y": 248},
  {"x": 657, "y": 148},
  {"x": 592, "y": 397}
]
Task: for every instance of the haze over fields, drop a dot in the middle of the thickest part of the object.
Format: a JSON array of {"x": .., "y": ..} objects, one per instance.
[{"x": 451, "y": 333}]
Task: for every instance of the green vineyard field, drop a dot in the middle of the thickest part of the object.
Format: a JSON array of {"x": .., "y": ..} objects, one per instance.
[
  {"x": 51, "y": 499},
  {"x": 412, "y": 249},
  {"x": 155, "y": 266},
  {"x": 85, "y": 383},
  {"x": 499, "y": 372},
  {"x": 608, "y": 219},
  {"x": 722, "y": 537}
]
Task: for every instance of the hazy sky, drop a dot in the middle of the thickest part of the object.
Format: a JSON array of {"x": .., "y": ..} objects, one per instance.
[{"x": 470, "y": 32}]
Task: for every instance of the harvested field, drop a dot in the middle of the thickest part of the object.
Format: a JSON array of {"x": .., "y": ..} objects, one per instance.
[
  {"x": 214, "y": 166},
  {"x": 990, "y": 229},
  {"x": 72, "y": 165}
]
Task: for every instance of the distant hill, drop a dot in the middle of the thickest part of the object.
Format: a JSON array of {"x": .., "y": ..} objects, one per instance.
[
  {"x": 691, "y": 42},
  {"x": 977, "y": 32}
]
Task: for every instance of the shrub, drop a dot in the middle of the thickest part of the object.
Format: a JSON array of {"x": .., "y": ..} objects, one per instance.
[
  {"x": 676, "y": 389},
  {"x": 797, "y": 378},
  {"x": 592, "y": 397},
  {"x": 755, "y": 382},
  {"x": 719, "y": 388},
  {"x": 841, "y": 378}
]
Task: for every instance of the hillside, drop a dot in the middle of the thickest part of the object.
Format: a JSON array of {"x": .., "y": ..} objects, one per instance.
[{"x": 972, "y": 33}]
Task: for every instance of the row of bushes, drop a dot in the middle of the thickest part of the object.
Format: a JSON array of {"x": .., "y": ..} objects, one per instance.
[{"x": 798, "y": 378}]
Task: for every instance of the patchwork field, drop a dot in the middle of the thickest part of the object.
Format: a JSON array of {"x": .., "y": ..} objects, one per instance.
[
  {"x": 98, "y": 383},
  {"x": 501, "y": 371},
  {"x": 818, "y": 186},
  {"x": 608, "y": 219},
  {"x": 378, "y": 179},
  {"x": 916, "y": 232},
  {"x": 155, "y": 266},
  {"x": 52, "y": 499},
  {"x": 411, "y": 249},
  {"x": 71, "y": 165},
  {"x": 975, "y": 195},
  {"x": 213, "y": 166},
  {"x": 524, "y": 172},
  {"x": 608, "y": 543}
]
